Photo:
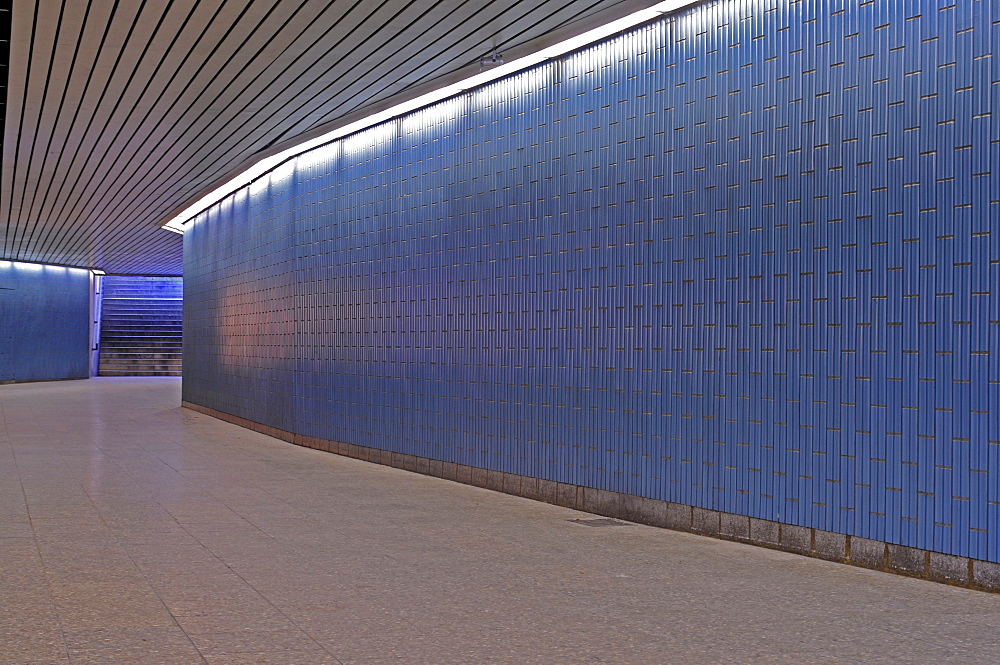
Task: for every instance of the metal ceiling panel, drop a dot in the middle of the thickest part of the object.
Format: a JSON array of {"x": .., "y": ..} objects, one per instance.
[{"x": 119, "y": 112}]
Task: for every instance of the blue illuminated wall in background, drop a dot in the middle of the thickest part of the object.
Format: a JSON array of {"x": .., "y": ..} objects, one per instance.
[
  {"x": 44, "y": 322},
  {"x": 745, "y": 258}
]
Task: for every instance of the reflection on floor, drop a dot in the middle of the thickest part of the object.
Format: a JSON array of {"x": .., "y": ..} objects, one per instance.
[{"x": 134, "y": 531}]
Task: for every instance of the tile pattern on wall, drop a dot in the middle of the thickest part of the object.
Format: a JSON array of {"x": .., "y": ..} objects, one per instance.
[
  {"x": 743, "y": 258},
  {"x": 44, "y": 322}
]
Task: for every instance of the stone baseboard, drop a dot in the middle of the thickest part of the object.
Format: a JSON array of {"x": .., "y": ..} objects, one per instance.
[
  {"x": 7, "y": 382},
  {"x": 851, "y": 550}
]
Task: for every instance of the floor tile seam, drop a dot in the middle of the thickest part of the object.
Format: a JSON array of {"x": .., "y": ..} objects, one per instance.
[
  {"x": 262, "y": 595},
  {"x": 59, "y": 618},
  {"x": 136, "y": 482},
  {"x": 123, "y": 547},
  {"x": 38, "y": 552},
  {"x": 163, "y": 604},
  {"x": 27, "y": 507},
  {"x": 304, "y": 553},
  {"x": 208, "y": 490},
  {"x": 940, "y": 644}
]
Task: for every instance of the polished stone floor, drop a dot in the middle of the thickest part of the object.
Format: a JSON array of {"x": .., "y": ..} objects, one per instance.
[{"x": 134, "y": 531}]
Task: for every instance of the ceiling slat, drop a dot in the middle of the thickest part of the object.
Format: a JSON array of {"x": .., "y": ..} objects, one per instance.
[{"x": 123, "y": 109}]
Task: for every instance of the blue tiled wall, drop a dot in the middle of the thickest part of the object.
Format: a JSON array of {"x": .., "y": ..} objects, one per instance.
[
  {"x": 745, "y": 258},
  {"x": 44, "y": 322}
]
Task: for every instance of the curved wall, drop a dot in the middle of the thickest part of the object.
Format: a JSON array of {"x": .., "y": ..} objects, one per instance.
[{"x": 742, "y": 259}]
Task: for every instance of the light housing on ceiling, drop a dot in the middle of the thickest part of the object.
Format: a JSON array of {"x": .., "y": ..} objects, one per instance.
[
  {"x": 176, "y": 223},
  {"x": 36, "y": 267}
]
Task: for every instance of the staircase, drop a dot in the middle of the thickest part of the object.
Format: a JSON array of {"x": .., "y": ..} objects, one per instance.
[{"x": 141, "y": 323}]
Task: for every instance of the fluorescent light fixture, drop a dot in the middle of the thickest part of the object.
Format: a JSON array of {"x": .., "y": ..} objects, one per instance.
[
  {"x": 35, "y": 267},
  {"x": 98, "y": 272},
  {"x": 259, "y": 169}
]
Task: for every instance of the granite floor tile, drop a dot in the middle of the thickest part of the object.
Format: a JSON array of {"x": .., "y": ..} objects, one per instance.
[
  {"x": 235, "y": 620},
  {"x": 154, "y": 535},
  {"x": 25, "y": 640},
  {"x": 274, "y": 658},
  {"x": 131, "y": 646},
  {"x": 275, "y": 639}
]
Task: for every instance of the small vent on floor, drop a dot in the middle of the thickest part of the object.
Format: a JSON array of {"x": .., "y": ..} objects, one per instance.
[{"x": 600, "y": 521}]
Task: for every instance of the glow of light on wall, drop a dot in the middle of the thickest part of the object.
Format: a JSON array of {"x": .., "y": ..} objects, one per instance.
[
  {"x": 267, "y": 164},
  {"x": 35, "y": 267},
  {"x": 592, "y": 59},
  {"x": 369, "y": 138},
  {"x": 317, "y": 156},
  {"x": 283, "y": 171},
  {"x": 433, "y": 117},
  {"x": 503, "y": 91},
  {"x": 258, "y": 185}
]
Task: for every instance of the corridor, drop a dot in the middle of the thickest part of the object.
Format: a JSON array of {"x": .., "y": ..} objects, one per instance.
[{"x": 134, "y": 531}]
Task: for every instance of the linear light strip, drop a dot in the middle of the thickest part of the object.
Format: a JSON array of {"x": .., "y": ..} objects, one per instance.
[
  {"x": 29, "y": 265},
  {"x": 267, "y": 164}
]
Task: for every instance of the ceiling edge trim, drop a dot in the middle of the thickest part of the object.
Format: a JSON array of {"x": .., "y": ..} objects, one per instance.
[{"x": 571, "y": 37}]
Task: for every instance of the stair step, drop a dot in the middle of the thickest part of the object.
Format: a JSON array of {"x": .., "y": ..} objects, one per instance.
[
  {"x": 141, "y": 329},
  {"x": 142, "y": 372},
  {"x": 133, "y": 340},
  {"x": 128, "y": 325},
  {"x": 139, "y": 368},
  {"x": 137, "y": 364},
  {"x": 125, "y": 314},
  {"x": 178, "y": 317},
  {"x": 159, "y": 367},
  {"x": 145, "y": 329},
  {"x": 136, "y": 370},
  {"x": 175, "y": 362},
  {"x": 142, "y": 325},
  {"x": 140, "y": 300},
  {"x": 139, "y": 340},
  {"x": 143, "y": 332},
  {"x": 141, "y": 355},
  {"x": 146, "y": 336},
  {"x": 143, "y": 317},
  {"x": 152, "y": 314},
  {"x": 141, "y": 309}
]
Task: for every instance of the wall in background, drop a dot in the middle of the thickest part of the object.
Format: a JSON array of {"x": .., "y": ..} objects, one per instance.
[
  {"x": 744, "y": 259},
  {"x": 44, "y": 322}
]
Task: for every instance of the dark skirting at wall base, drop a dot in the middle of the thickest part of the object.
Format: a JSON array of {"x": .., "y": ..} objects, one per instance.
[
  {"x": 5, "y": 382},
  {"x": 852, "y": 550}
]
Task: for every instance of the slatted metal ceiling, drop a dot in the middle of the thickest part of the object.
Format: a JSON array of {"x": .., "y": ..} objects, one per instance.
[{"x": 120, "y": 111}]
